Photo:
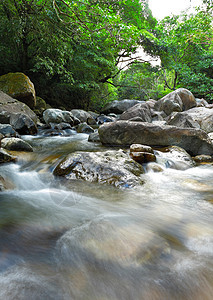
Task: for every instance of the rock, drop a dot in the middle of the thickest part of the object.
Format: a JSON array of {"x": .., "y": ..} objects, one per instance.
[
  {"x": 84, "y": 128},
  {"x": 143, "y": 157},
  {"x": 81, "y": 114},
  {"x": 102, "y": 119},
  {"x": 7, "y": 130},
  {"x": 16, "y": 144},
  {"x": 5, "y": 183},
  {"x": 142, "y": 153},
  {"x": 154, "y": 167},
  {"x": 54, "y": 115},
  {"x": 203, "y": 159},
  {"x": 203, "y": 116},
  {"x": 6, "y": 157},
  {"x": 179, "y": 100},
  {"x": 140, "y": 110},
  {"x": 118, "y": 107},
  {"x": 111, "y": 167},
  {"x": 182, "y": 119},
  {"x": 40, "y": 107},
  {"x": 60, "y": 126},
  {"x": 19, "y": 86},
  {"x": 91, "y": 121},
  {"x": 141, "y": 148},
  {"x": 23, "y": 124},
  {"x": 10, "y": 106},
  {"x": 94, "y": 137},
  {"x": 175, "y": 157},
  {"x": 194, "y": 141},
  {"x": 201, "y": 102}
]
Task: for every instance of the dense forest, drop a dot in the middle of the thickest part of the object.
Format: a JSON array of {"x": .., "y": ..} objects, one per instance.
[{"x": 73, "y": 50}]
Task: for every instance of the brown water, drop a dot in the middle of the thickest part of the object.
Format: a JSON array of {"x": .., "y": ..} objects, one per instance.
[{"x": 75, "y": 240}]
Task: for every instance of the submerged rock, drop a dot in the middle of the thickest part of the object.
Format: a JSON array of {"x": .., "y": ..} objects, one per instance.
[
  {"x": 110, "y": 167},
  {"x": 16, "y": 144},
  {"x": 194, "y": 141}
]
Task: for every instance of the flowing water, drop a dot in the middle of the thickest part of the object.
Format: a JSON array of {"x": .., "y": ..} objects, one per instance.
[{"x": 74, "y": 240}]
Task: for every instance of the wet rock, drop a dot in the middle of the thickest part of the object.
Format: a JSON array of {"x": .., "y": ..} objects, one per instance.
[
  {"x": 7, "y": 130},
  {"x": 19, "y": 86},
  {"x": 141, "y": 148},
  {"x": 84, "y": 128},
  {"x": 81, "y": 114},
  {"x": 5, "y": 157},
  {"x": 94, "y": 137},
  {"x": 203, "y": 159},
  {"x": 53, "y": 115},
  {"x": 118, "y": 107},
  {"x": 194, "y": 141},
  {"x": 16, "y": 144},
  {"x": 175, "y": 158},
  {"x": 154, "y": 167},
  {"x": 111, "y": 167},
  {"x": 143, "y": 157},
  {"x": 142, "y": 153},
  {"x": 23, "y": 124},
  {"x": 140, "y": 110},
  {"x": 179, "y": 100},
  {"x": 10, "y": 106},
  {"x": 5, "y": 184}
]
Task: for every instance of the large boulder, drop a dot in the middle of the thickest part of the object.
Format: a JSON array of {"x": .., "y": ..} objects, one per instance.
[
  {"x": 118, "y": 107},
  {"x": 179, "y": 100},
  {"x": 194, "y": 141},
  {"x": 140, "y": 111},
  {"x": 111, "y": 167},
  {"x": 10, "y": 106},
  {"x": 198, "y": 117},
  {"x": 19, "y": 86},
  {"x": 54, "y": 115}
]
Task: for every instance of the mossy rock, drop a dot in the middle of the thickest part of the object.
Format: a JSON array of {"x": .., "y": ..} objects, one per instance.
[
  {"x": 40, "y": 107},
  {"x": 18, "y": 86}
]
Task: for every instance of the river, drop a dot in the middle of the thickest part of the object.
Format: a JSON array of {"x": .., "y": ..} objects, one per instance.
[{"x": 74, "y": 240}]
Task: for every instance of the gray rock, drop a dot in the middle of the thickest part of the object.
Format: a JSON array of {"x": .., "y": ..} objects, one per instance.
[
  {"x": 140, "y": 110},
  {"x": 10, "y": 106},
  {"x": 23, "y": 124},
  {"x": 179, "y": 100},
  {"x": 175, "y": 157},
  {"x": 81, "y": 114},
  {"x": 54, "y": 115},
  {"x": 111, "y": 167},
  {"x": 7, "y": 130},
  {"x": 194, "y": 141},
  {"x": 16, "y": 144},
  {"x": 118, "y": 107},
  {"x": 182, "y": 119},
  {"x": 102, "y": 119},
  {"x": 84, "y": 128},
  {"x": 94, "y": 137}
]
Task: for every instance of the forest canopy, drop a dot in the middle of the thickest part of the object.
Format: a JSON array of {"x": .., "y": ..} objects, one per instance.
[{"x": 72, "y": 50}]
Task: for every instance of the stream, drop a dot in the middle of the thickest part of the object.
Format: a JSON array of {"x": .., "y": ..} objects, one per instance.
[{"x": 71, "y": 239}]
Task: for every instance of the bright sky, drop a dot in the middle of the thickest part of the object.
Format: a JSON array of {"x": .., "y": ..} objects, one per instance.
[{"x": 163, "y": 8}]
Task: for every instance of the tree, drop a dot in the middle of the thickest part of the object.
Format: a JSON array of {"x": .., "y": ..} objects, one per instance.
[{"x": 184, "y": 44}]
